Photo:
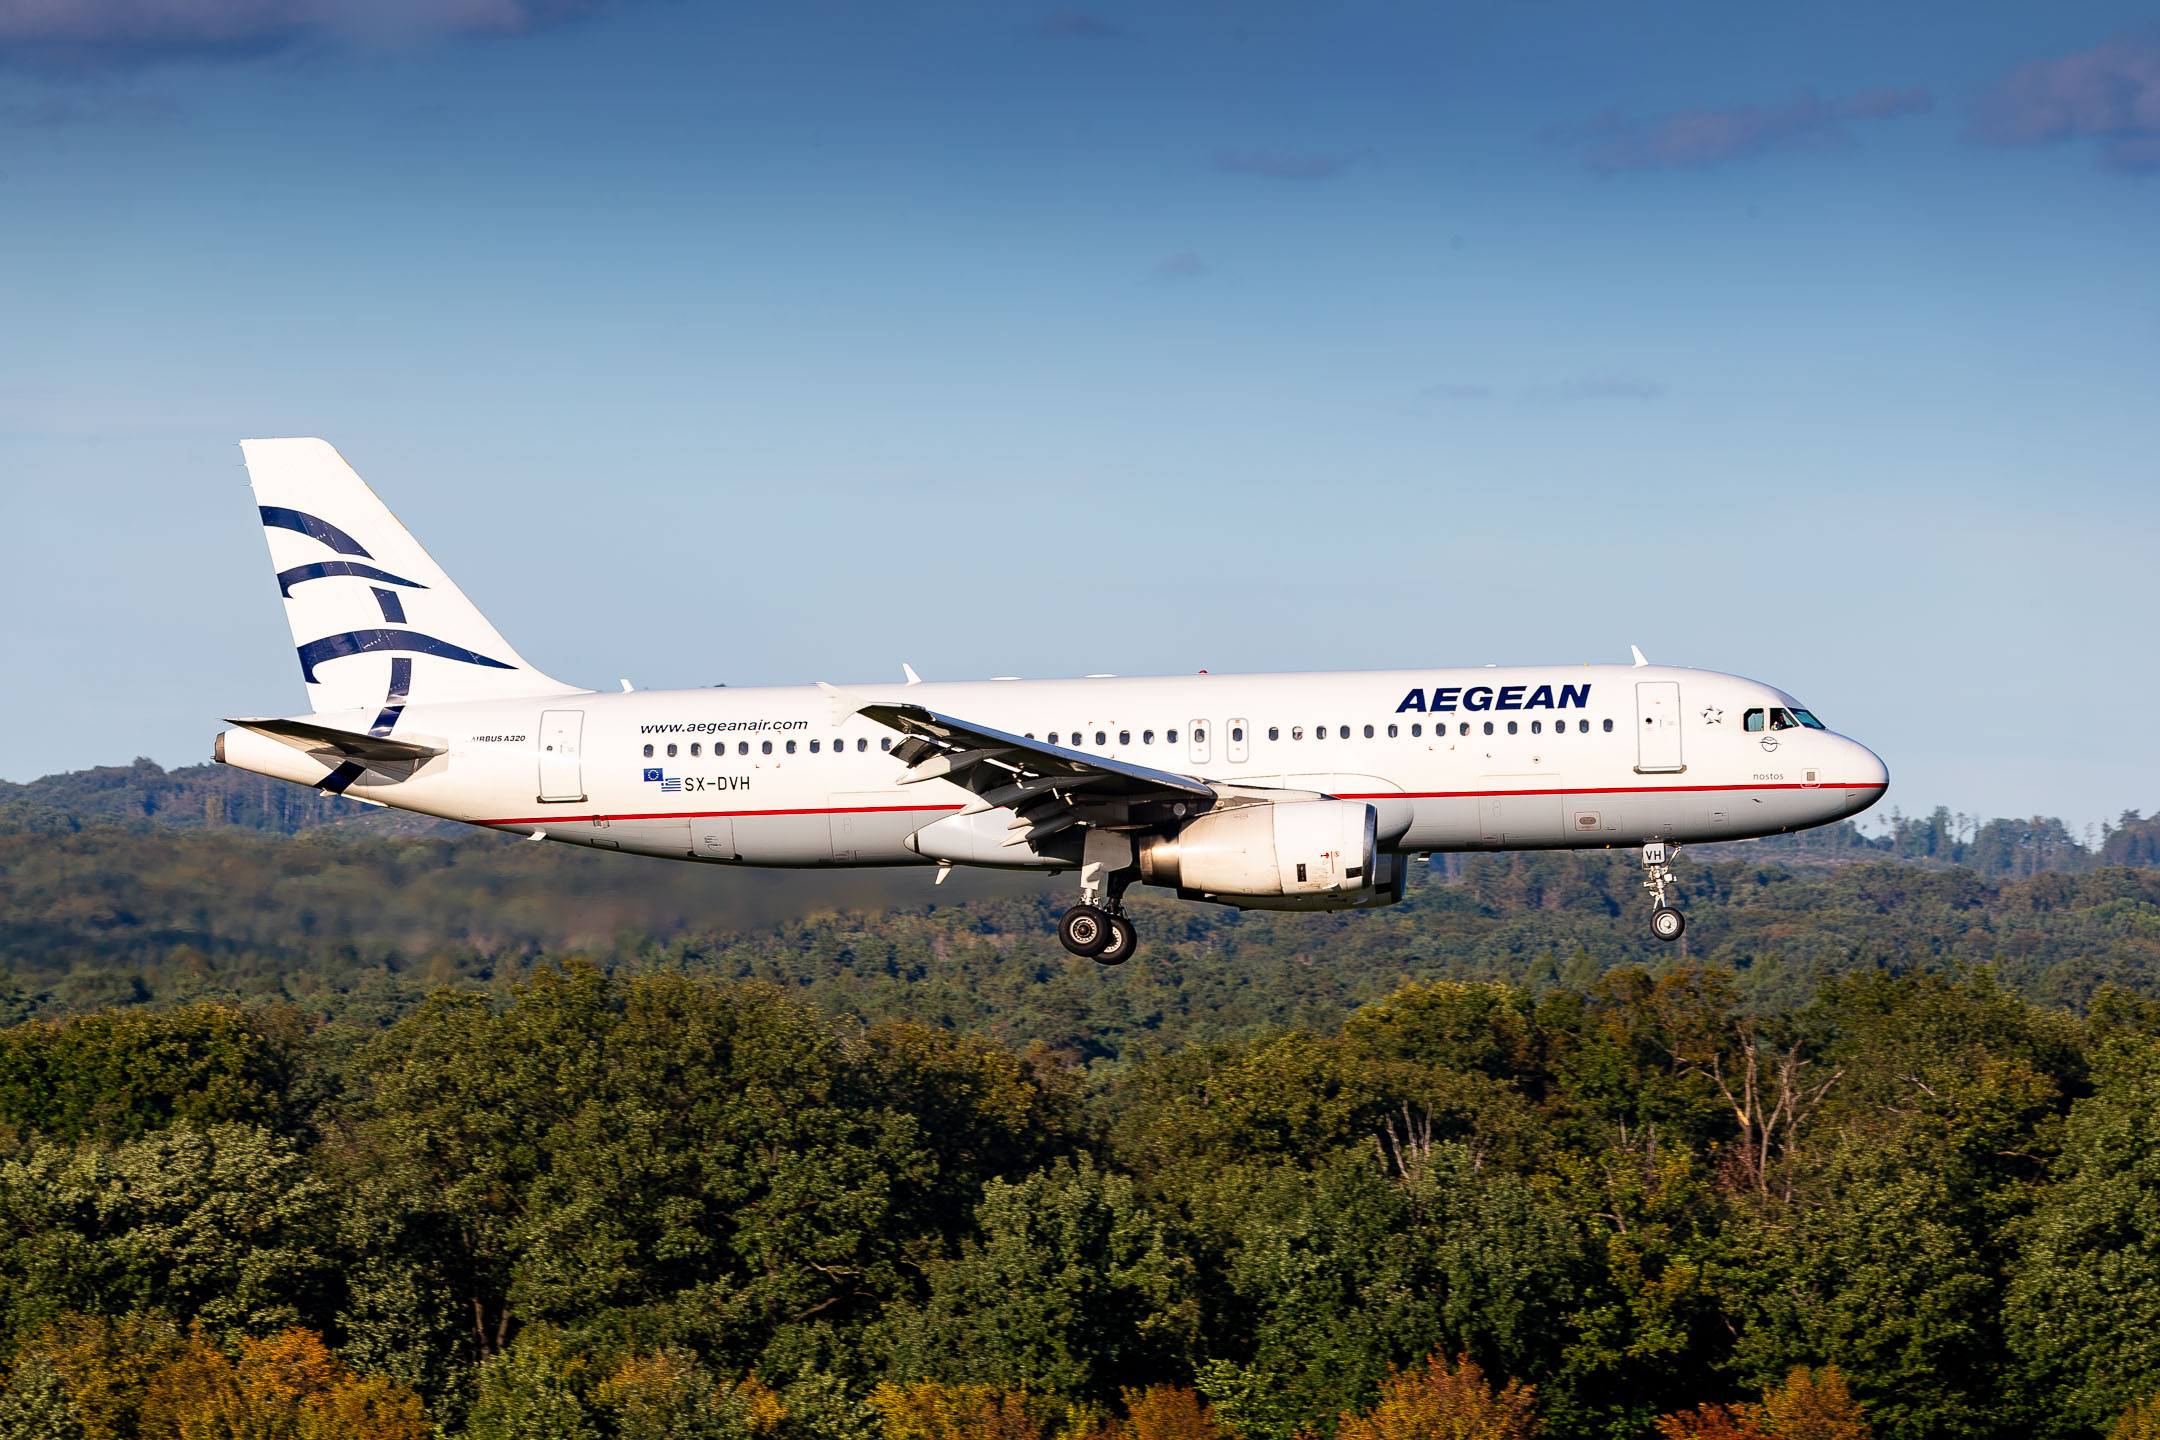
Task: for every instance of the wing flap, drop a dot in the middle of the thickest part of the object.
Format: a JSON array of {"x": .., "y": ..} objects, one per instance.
[{"x": 954, "y": 748}]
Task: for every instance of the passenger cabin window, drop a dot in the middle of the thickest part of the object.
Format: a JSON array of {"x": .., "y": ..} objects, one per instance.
[
  {"x": 671, "y": 752},
  {"x": 1147, "y": 737},
  {"x": 1608, "y": 727},
  {"x": 1274, "y": 732},
  {"x": 1391, "y": 732},
  {"x": 693, "y": 750},
  {"x": 1417, "y": 730},
  {"x": 1100, "y": 738},
  {"x": 791, "y": 747},
  {"x": 648, "y": 752},
  {"x": 766, "y": 747},
  {"x": 1319, "y": 732},
  {"x": 1297, "y": 732},
  {"x": 884, "y": 742},
  {"x": 1534, "y": 727},
  {"x": 1169, "y": 737},
  {"x": 1124, "y": 737},
  {"x": 1488, "y": 727},
  {"x": 1466, "y": 728},
  {"x": 1344, "y": 732},
  {"x": 813, "y": 747},
  {"x": 742, "y": 747},
  {"x": 1511, "y": 727},
  {"x": 862, "y": 743}
]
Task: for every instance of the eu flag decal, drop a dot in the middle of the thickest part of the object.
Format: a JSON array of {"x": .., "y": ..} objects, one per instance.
[{"x": 652, "y": 774}]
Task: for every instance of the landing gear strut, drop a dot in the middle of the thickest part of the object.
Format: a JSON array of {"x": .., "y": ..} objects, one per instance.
[
  {"x": 1665, "y": 922},
  {"x": 1096, "y": 929}
]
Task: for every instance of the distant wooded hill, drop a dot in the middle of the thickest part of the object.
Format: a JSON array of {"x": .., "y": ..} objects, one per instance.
[
  {"x": 132, "y": 885},
  {"x": 215, "y": 796}
]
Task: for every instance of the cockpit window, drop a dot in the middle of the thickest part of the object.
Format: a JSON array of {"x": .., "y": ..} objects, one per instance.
[{"x": 1781, "y": 719}]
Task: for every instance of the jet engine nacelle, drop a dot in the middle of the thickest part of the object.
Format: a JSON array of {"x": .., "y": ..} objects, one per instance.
[{"x": 1309, "y": 853}]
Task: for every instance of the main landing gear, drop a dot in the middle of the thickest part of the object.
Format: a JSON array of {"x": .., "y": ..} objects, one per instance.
[
  {"x": 1096, "y": 929},
  {"x": 1665, "y": 922},
  {"x": 1098, "y": 935}
]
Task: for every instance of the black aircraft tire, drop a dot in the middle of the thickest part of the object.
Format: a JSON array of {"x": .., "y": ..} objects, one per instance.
[
  {"x": 1124, "y": 940},
  {"x": 1084, "y": 930},
  {"x": 1667, "y": 923}
]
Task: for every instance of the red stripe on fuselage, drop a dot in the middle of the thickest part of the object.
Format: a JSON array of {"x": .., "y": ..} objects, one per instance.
[
  {"x": 716, "y": 814},
  {"x": 1374, "y": 795},
  {"x": 1608, "y": 790}
]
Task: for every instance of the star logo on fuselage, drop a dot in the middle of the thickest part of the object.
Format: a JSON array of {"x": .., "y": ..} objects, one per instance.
[{"x": 1712, "y": 715}]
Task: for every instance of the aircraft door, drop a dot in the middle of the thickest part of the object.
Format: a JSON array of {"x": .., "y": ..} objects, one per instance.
[
  {"x": 562, "y": 771},
  {"x": 713, "y": 837},
  {"x": 1237, "y": 744},
  {"x": 1489, "y": 830},
  {"x": 1657, "y": 727},
  {"x": 872, "y": 827},
  {"x": 1196, "y": 736}
]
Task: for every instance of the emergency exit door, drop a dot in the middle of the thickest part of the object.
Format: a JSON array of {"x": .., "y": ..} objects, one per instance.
[
  {"x": 1657, "y": 727},
  {"x": 562, "y": 768}
]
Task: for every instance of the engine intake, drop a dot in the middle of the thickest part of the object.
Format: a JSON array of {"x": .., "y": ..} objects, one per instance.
[{"x": 1294, "y": 847}]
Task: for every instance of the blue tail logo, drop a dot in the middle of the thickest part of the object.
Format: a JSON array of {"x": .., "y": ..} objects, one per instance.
[
  {"x": 362, "y": 642},
  {"x": 323, "y": 569},
  {"x": 278, "y": 517}
]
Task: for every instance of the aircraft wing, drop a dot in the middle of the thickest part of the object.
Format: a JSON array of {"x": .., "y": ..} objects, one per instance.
[{"x": 1048, "y": 787}]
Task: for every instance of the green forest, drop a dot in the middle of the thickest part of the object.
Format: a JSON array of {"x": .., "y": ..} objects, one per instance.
[{"x": 313, "y": 1126}]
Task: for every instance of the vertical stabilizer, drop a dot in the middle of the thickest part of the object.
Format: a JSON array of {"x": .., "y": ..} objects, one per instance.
[{"x": 377, "y": 623}]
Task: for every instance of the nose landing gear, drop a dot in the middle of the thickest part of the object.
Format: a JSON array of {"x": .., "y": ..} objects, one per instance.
[{"x": 1666, "y": 923}]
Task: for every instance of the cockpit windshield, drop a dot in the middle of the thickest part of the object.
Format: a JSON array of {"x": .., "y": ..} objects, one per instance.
[{"x": 1779, "y": 718}]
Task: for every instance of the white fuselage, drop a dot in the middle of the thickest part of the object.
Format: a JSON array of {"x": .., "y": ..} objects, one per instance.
[{"x": 1517, "y": 758}]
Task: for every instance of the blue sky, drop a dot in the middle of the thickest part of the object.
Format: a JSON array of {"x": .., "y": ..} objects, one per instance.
[{"x": 767, "y": 343}]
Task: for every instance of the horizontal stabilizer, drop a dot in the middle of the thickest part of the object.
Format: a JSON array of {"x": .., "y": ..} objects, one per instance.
[{"x": 318, "y": 739}]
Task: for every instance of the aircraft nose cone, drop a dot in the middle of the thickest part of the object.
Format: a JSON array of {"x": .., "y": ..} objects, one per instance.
[
  {"x": 1868, "y": 767},
  {"x": 1866, "y": 777}
]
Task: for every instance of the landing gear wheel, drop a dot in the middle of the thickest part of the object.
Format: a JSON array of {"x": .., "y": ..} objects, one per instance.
[
  {"x": 1123, "y": 941},
  {"x": 1084, "y": 930},
  {"x": 1667, "y": 923}
]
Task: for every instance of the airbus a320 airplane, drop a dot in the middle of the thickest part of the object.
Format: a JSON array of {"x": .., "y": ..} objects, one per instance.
[{"x": 1280, "y": 792}]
